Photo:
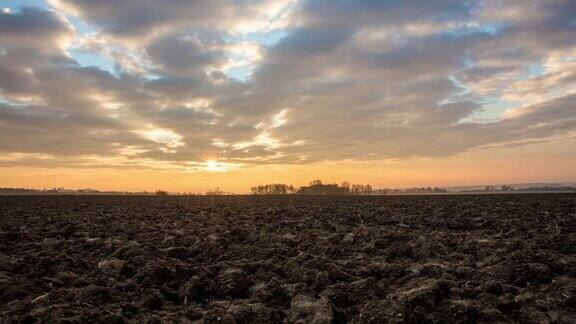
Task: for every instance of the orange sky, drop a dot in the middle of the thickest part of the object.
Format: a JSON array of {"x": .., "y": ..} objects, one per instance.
[{"x": 543, "y": 162}]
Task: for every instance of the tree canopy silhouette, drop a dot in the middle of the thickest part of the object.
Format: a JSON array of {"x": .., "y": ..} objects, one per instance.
[{"x": 315, "y": 187}]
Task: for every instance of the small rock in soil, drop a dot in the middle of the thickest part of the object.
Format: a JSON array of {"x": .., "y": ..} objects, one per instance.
[
  {"x": 111, "y": 266},
  {"x": 233, "y": 283},
  {"x": 305, "y": 309}
]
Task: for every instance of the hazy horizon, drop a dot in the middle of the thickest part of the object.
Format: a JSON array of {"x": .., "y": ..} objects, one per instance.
[
  {"x": 186, "y": 96},
  {"x": 454, "y": 188}
]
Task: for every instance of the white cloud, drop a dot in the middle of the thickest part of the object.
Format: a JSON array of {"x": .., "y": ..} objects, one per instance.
[
  {"x": 169, "y": 138},
  {"x": 280, "y": 118}
]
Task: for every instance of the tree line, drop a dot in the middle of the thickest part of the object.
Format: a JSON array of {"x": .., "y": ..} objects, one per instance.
[{"x": 315, "y": 187}]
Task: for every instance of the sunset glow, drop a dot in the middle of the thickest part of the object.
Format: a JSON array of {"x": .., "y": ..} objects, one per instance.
[{"x": 214, "y": 166}]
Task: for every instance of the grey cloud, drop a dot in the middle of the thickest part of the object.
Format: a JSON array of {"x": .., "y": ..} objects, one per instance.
[
  {"x": 32, "y": 27},
  {"x": 49, "y": 131},
  {"x": 181, "y": 55},
  {"x": 135, "y": 18},
  {"x": 375, "y": 12}
]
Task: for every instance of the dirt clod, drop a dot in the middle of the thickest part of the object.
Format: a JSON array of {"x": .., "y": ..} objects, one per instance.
[
  {"x": 304, "y": 309},
  {"x": 111, "y": 266},
  {"x": 233, "y": 283}
]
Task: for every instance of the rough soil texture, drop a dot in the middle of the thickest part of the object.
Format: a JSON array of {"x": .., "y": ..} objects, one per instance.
[{"x": 469, "y": 258}]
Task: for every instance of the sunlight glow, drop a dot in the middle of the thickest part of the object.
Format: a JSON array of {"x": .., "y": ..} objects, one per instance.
[{"x": 215, "y": 166}]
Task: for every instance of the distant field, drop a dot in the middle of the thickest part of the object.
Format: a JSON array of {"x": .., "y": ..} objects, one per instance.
[{"x": 249, "y": 259}]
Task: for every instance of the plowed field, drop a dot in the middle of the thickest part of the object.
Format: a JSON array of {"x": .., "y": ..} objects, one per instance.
[{"x": 246, "y": 259}]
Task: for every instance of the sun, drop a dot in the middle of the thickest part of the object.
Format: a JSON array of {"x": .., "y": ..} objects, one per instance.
[{"x": 215, "y": 166}]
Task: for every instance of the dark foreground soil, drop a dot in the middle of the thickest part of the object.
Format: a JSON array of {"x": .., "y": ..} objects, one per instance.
[{"x": 484, "y": 258}]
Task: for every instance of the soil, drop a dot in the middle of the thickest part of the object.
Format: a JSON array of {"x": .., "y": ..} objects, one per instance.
[{"x": 296, "y": 259}]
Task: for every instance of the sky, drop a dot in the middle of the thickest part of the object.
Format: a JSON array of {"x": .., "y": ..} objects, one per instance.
[{"x": 192, "y": 95}]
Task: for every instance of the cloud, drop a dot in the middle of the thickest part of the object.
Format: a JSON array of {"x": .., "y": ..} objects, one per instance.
[
  {"x": 350, "y": 80},
  {"x": 132, "y": 19},
  {"x": 137, "y": 21},
  {"x": 37, "y": 31},
  {"x": 185, "y": 55},
  {"x": 171, "y": 139}
]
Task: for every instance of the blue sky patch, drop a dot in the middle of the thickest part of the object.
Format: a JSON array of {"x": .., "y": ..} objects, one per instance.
[{"x": 88, "y": 59}]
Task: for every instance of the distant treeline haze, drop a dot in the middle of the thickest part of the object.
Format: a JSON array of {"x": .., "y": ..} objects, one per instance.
[{"x": 314, "y": 188}]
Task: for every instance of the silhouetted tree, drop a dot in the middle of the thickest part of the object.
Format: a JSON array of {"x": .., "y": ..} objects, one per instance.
[
  {"x": 361, "y": 189},
  {"x": 215, "y": 192},
  {"x": 273, "y": 189},
  {"x": 345, "y": 186},
  {"x": 316, "y": 187}
]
